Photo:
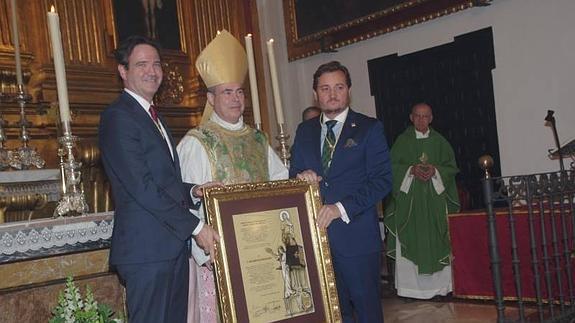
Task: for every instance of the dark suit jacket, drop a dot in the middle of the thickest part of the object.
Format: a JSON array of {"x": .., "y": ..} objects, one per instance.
[
  {"x": 359, "y": 177},
  {"x": 152, "y": 220}
]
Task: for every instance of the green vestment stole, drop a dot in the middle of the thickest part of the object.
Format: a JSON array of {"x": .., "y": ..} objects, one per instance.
[
  {"x": 236, "y": 156},
  {"x": 419, "y": 217}
]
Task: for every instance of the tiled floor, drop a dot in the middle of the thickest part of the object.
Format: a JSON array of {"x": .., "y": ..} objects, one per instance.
[{"x": 398, "y": 310}]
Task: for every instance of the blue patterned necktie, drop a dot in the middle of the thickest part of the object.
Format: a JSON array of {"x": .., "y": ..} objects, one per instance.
[{"x": 328, "y": 145}]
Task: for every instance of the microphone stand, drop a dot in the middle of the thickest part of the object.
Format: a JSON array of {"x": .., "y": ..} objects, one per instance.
[{"x": 551, "y": 119}]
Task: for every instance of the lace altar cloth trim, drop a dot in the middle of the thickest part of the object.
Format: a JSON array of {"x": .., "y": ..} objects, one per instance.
[{"x": 57, "y": 235}]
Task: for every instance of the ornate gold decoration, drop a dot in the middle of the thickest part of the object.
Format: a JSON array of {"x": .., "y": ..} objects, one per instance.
[
  {"x": 424, "y": 159},
  {"x": 172, "y": 89},
  {"x": 27, "y": 202},
  {"x": 404, "y": 14},
  {"x": 23, "y": 192}
]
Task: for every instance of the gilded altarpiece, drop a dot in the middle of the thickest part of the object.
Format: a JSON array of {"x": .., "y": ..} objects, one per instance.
[{"x": 89, "y": 34}]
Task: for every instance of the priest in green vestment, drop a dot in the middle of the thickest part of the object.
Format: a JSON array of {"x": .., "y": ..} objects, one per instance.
[{"x": 424, "y": 192}]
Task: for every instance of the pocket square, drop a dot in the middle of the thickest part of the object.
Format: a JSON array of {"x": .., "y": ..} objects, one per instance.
[{"x": 350, "y": 143}]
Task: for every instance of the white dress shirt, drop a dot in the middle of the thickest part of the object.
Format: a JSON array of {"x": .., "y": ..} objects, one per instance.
[
  {"x": 146, "y": 106},
  {"x": 340, "y": 118}
]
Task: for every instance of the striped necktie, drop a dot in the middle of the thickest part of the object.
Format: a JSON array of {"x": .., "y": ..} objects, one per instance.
[{"x": 328, "y": 145}]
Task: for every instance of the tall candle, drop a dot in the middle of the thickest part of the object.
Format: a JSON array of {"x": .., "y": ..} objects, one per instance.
[
  {"x": 275, "y": 83},
  {"x": 253, "y": 81},
  {"x": 59, "y": 68},
  {"x": 16, "y": 42}
]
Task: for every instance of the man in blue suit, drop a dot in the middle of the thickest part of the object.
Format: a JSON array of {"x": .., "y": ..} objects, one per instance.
[
  {"x": 346, "y": 153},
  {"x": 152, "y": 222}
]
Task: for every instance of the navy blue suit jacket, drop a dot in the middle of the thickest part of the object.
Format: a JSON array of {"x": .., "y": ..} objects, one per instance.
[
  {"x": 152, "y": 220},
  {"x": 359, "y": 177}
]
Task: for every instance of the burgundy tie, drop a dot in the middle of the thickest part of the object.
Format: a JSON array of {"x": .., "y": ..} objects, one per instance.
[{"x": 153, "y": 113}]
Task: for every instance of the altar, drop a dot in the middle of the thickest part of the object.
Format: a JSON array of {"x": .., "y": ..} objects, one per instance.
[{"x": 36, "y": 257}]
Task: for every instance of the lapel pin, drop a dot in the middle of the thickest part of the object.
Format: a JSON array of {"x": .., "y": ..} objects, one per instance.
[{"x": 353, "y": 124}]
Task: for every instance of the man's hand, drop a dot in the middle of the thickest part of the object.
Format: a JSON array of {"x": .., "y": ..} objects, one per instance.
[
  {"x": 309, "y": 176},
  {"x": 327, "y": 213},
  {"x": 428, "y": 173},
  {"x": 416, "y": 171},
  {"x": 423, "y": 172},
  {"x": 198, "y": 190},
  {"x": 207, "y": 239},
  {"x": 209, "y": 264}
]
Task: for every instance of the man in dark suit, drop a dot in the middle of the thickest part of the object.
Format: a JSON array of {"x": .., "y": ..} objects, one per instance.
[
  {"x": 346, "y": 153},
  {"x": 152, "y": 221}
]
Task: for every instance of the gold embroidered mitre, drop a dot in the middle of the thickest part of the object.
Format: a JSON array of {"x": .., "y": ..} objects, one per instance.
[{"x": 222, "y": 61}]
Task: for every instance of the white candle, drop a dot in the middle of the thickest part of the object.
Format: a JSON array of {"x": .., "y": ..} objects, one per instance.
[
  {"x": 253, "y": 81},
  {"x": 16, "y": 42},
  {"x": 275, "y": 83},
  {"x": 59, "y": 68}
]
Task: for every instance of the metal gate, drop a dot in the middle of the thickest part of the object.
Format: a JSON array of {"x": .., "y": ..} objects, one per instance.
[{"x": 549, "y": 264}]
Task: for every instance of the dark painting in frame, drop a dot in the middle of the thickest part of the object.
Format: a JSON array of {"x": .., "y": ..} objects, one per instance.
[
  {"x": 315, "y": 26},
  {"x": 259, "y": 223},
  {"x": 156, "y": 19}
]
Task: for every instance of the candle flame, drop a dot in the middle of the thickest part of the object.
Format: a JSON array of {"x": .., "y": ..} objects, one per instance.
[
  {"x": 271, "y": 40},
  {"x": 219, "y": 32},
  {"x": 52, "y": 9},
  {"x": 249, "y": 35}
]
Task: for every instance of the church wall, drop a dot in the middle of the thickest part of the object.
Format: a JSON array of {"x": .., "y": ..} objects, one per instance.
[{"x": 534, "y": 45}]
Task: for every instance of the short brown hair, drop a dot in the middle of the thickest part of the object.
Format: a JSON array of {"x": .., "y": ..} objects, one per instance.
[
  {"x": 126, "y": 47},
  {"x": 332, "y": 66}
]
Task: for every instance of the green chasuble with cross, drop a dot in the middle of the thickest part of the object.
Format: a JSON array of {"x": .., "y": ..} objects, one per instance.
[{"x": 419, "y": 217}]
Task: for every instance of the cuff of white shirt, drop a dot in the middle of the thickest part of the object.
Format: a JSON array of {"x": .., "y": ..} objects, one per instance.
[
  {"x": 198, "y": 254},
  {"x": 194, "y": 199},
  {"x": 198, "y": 228},
  {"x": 406, "y": 183},
  {"x": 344, "y": 216},
  {"x": 437, "y": 182}
]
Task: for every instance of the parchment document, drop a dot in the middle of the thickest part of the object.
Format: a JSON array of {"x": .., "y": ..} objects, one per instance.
[{"x": 272, "y": 263}]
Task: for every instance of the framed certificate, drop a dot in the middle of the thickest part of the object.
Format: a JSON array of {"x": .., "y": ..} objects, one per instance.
[{"x": 273, "y": 263}]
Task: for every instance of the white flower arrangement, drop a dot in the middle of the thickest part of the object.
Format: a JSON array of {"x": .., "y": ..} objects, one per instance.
[{"x": 72, "y": 308}]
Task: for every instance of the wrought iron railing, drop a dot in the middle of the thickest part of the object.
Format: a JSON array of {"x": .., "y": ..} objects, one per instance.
[{"x": 548, "y": 270}]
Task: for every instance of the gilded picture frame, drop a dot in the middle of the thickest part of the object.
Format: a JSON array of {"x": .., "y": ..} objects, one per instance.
[
  {"x": 319, "y": 26},
  {"x": 272, "y": 263}
]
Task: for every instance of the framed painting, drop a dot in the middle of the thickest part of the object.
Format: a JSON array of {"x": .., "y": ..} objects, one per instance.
[
  {"x": 159, "y": 20},
  {"x": 273, "y": 263},
  {"x": 319, "y": 26}
]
